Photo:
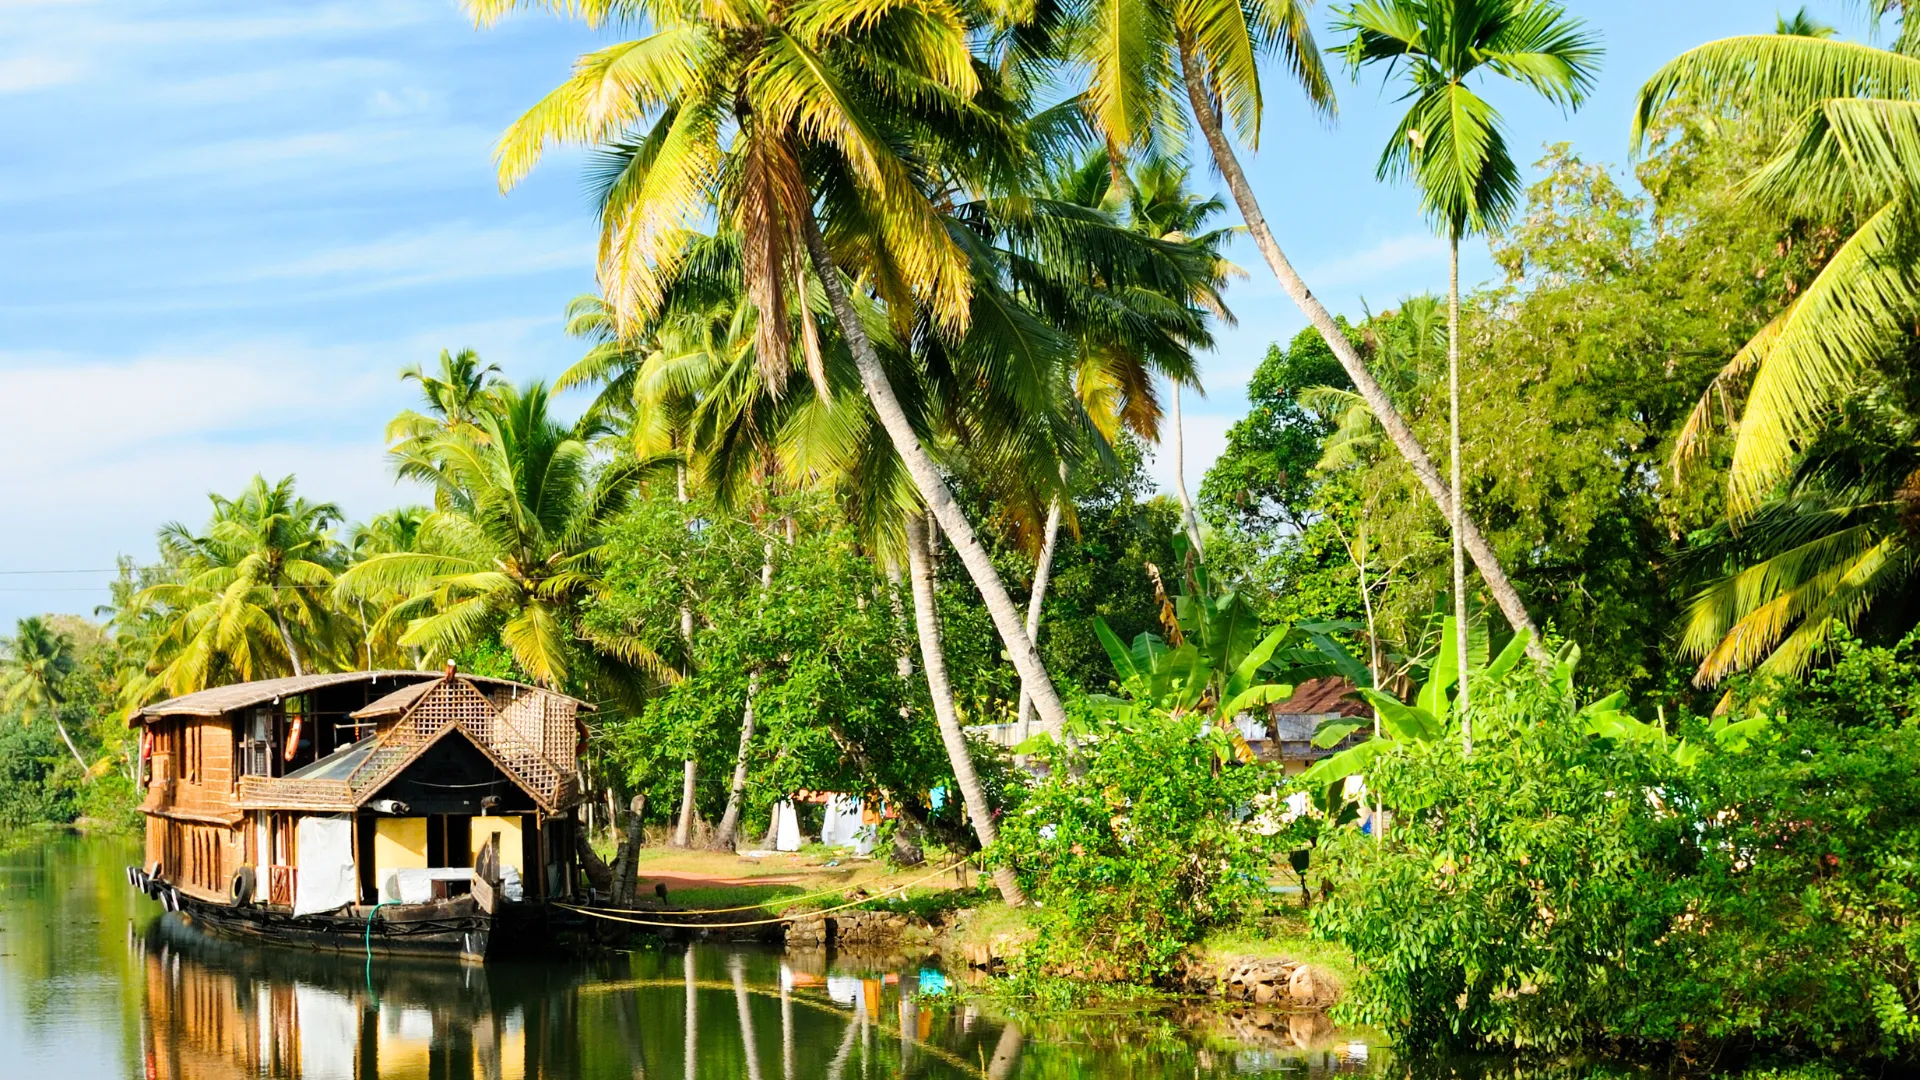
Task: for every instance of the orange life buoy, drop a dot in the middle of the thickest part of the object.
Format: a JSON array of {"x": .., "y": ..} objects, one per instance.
[{"x": 293, "y": 740}]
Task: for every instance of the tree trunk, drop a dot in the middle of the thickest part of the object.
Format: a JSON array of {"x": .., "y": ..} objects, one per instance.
[
  {"x": 933, "y": 487},
  {"x": 1376, "y": 398},
  {"x": 286, "y": 641},
  {"x": 86, "y": 773},
  {"x": 683, "y": 831},
  {"x": 599, "y": 874},
  {"x": 1042, "y": 573},
  {"x": 1460, "y": 633},
  {"x": 926, "y": 617},
  {"x": 625, "y": 858},
  {"x": 1180, "y": 479},
  {"x": 723, "y": 837}
]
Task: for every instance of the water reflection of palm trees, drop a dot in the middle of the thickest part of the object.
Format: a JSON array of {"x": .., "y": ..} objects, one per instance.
[{"x": 215, "y": 1010}]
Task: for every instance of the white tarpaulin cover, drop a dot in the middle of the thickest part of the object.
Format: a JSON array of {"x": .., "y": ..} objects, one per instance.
[{"x": 325, "y": 879}]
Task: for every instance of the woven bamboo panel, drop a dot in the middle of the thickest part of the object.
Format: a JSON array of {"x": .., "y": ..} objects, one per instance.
[
  {"x": 280, "y": 793},
  {"x": 530, "y": 734}
]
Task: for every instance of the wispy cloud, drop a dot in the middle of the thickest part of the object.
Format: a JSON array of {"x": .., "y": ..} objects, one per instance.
[
  {"x": 19, "y": 74},
  {"x": 1363, "y": 268},
  {"x": 456, "y": 251}
]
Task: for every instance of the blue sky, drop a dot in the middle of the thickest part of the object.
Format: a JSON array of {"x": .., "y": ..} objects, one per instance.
[{"x": 224, "y": 227}]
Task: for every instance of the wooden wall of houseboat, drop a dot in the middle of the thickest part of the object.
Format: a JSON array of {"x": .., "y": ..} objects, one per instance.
[{"x": 194, "y": 832}]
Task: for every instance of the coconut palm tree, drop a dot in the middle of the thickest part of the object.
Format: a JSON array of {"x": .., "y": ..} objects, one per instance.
[
  {"x": 1451, "y": 145},
  {"x": 1814, "y": 551},
  {"x": 453, "y": 396},
  {"x": 1140, "y": 56},
  {"x": 1835, "y": 551},
  {"x": 34, "y": 663},
  {"x": 789, "y": 123},
  {"x": 257, "y": 578},
  {"x": 1850, "y": 128},
  {"x": 515, "y": 553}
]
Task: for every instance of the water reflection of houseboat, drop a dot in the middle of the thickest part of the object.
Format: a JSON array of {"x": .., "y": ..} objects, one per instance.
[
  {"x": 216, "y": 1009},
  {"x": 415, "y": 811}
]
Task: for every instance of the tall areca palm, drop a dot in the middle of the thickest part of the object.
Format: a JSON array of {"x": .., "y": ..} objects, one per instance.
[
  {"x": 516, "y": 551},
  {"x": 1141, "y": 54},
  {"x": 34, "y": 664},
  {"x": 260, "y": 573},
  {"x": 769, "y": 116},
  {"x": 1451, "y": 145}
]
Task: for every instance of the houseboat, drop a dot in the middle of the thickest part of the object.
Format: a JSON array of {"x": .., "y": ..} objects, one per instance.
[{"x": 407, "y": 811}]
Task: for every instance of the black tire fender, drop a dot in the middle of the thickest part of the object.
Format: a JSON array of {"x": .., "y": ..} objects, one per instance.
[{"x": 240, "y": 889}]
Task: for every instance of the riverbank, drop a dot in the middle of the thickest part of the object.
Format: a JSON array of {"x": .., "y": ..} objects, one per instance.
[{"x": 827, "y": 898}]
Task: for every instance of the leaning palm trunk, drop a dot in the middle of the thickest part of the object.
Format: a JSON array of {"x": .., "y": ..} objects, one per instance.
[
  {"x": 933, "y": 488},
  {"x": 72, "y": 749},
  {"x": 723, "y": 836},
  {"x": 1376, "y": 398},
  {"x": 933, "y": 659},
  {"x": 1460, "y": 495},
  {"x": 1187, "y": 517},
  {"x": 1042, "y": 573}
]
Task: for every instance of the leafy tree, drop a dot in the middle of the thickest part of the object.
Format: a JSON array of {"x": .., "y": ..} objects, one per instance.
[
  {"x": 1262, "y": 485},
  {"x": 34, "y": 666},
  {"x": 1847, "y": 129}
]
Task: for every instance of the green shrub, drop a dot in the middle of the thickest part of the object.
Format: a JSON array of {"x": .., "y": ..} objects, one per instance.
[
  {"x": 1558, "y": 888},
  {"x": 37, "y": 777},
  {"x": 1134, "y": 845},
  {"x": 1506, "y": 906}
]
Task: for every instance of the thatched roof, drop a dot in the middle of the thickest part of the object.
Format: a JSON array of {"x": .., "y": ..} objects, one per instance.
[{"x": 219, "y": 700}]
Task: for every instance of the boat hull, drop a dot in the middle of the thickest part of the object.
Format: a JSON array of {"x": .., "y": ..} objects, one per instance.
[{"x": 444, "y": 928}]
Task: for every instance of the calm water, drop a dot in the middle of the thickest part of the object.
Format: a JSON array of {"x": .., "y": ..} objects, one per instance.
[{"x": 96, "y": 982}]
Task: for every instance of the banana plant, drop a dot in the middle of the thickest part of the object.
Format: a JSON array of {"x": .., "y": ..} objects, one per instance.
[
  {"x": 1215, "y": 674},
  {"x": 1429, "y": 716}
]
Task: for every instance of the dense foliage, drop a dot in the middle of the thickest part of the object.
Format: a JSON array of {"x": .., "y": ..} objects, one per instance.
[
  {"x": 1134, "y": 845},
  {"x": 1561, "y": 888}
]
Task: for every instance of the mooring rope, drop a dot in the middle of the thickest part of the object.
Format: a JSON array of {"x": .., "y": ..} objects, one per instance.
[{"x": 601, "y": 913}]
